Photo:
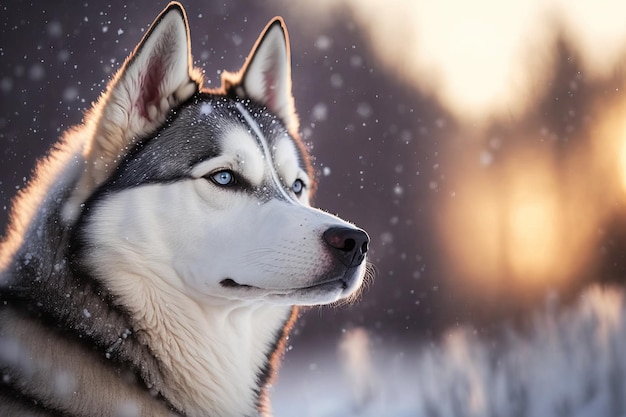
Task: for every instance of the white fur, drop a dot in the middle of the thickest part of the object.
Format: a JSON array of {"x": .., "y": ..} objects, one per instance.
[
  {"x": 289, "y": 166},
  {"x": 278, "y": 244},
  {"x": 240, "y": 153},
  {"x": 163, "y": 251},
  {"x": 167, "y": 272}
]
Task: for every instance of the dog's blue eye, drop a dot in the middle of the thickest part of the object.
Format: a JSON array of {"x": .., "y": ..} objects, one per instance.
[
  {"x": 223, "y": 178},
  {"x": 297, "y": 187}
]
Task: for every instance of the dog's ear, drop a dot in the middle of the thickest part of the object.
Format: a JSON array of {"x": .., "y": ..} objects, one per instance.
[
  {"x": 157, "y": 76},
  {"x": 266, "y": 75}
]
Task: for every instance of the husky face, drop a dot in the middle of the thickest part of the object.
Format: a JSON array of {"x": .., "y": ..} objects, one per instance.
[
  {"x": 219, "y": 199},
  {"x": 210, "y": 188},
  {"x": 170, "y": 237}
]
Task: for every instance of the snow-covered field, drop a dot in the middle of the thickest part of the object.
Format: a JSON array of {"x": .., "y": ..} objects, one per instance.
[{"x": 568, "y": 362}]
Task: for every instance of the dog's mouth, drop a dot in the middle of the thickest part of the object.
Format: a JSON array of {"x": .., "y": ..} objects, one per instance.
[
  {"x": 322, "y": 292},
  {"x": 338, "y": 282},
  {"x": 231, "y": 283}
]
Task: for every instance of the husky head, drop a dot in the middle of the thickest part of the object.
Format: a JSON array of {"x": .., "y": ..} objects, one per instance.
[{"x": 205, "y": 192}]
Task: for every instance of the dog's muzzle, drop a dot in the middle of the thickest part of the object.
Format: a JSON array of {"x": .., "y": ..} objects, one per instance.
[{"x": 349, "y": 245}]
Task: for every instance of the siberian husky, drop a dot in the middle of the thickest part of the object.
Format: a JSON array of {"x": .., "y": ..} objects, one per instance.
[{"x": 153, "y": 265}]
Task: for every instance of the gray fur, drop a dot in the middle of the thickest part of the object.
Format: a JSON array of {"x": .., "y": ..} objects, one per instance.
[{"x": 68, "y": 345}]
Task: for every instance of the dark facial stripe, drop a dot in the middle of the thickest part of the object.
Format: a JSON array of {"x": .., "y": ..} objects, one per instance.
[{"x": 262, "y": 142}]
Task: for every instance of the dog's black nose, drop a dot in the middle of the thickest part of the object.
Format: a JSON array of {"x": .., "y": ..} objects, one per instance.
[{"x": 348, "y": 244}]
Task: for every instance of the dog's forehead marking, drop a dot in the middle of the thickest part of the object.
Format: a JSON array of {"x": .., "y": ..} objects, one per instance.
[
  {"x": 285, "y": 158},
  {"x": 262, "y": 141},
  {"x": 243, "y": 149}
]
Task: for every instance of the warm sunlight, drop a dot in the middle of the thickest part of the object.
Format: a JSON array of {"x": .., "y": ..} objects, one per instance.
[
  {"x": 485, "y": 58},
  {"x": 534, "y": 226},
  {"x": 622, "y": 156},
  {"x": 520, "y": 224}
]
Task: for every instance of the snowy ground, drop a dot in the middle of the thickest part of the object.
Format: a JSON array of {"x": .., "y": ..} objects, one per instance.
[
  {"x": 568, "y": 363},
  {"x": 318, "y": 386}
]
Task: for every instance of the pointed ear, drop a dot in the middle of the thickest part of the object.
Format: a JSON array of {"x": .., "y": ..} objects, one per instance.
[
  {"x": 266, "y": 75},
  {"x": 156, "y": 77}
]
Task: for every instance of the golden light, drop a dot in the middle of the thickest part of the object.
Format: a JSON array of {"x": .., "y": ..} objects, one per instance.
[
  {"x": 608, "y": 150},
  {"x": 622, "y": 157},
  {"x": 507, "y": 228},
  {"x": 485, "y": 58},
  {"x": 533, "y": 224},
  {"x": 531, "y": 219}
]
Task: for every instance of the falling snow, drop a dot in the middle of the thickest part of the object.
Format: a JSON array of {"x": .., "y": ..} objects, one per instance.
[
  {"x": 389, "y": 147},
  {"x": 206, "y": 109}
]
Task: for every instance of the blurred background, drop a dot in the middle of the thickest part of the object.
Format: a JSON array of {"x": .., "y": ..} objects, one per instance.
[{"x": 481, "y": 144}]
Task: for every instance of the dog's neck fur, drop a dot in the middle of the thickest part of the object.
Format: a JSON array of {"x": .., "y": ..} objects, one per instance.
[{"x": 216, "y": 359}]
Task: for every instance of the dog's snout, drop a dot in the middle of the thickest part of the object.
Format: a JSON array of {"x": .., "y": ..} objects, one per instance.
[{"x": 349, "y": 245}]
